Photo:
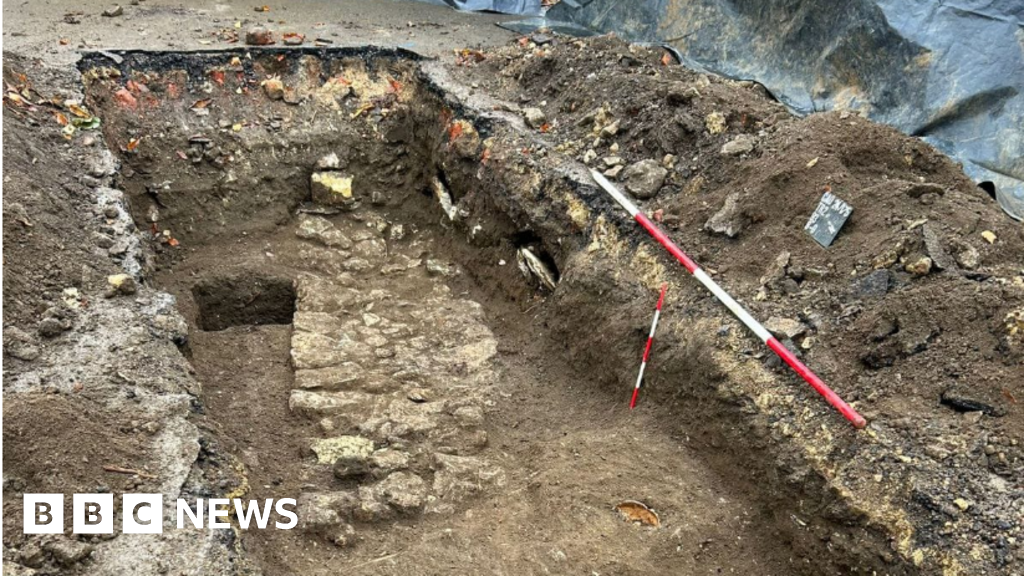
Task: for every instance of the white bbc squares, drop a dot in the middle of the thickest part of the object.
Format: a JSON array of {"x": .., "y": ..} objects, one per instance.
[
  {"x": 142, "y": 513},
  {"x": 44, "y": 513},
  {"x": 92, "y": 514}
]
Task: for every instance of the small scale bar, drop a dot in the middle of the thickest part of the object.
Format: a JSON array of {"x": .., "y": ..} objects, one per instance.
[
  {"x": 647, "y": 348},
  {"x": 773, "y": 343}
]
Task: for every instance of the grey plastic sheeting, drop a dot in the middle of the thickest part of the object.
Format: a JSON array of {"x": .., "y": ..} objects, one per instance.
[
  {"x": 523, "y": 7},
  {"x": 950, "y": 72}
]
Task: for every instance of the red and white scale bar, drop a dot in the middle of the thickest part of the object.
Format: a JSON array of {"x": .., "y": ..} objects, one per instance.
[
  {"x": 647, "y": 348},
  {"x": 788, "y": 357}
]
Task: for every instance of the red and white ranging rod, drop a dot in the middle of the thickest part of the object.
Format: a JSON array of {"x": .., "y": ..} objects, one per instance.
[
  {"x": 647, "y": 348},
  {"x": 788, "y": 357}
]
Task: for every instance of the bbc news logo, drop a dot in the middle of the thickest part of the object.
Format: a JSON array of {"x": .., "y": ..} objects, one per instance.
[{"x": 143, "y": 513}]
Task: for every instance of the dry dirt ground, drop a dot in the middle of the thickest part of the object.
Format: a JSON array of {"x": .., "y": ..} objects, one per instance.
[{"x": 481, "y": 418}]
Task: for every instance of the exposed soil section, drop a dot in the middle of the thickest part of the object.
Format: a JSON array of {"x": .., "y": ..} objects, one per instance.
[
  {"x": 246, "y": 299},
  {"x": 405, "y": 303}
]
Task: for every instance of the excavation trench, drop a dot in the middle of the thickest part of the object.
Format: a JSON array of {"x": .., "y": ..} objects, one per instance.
[{"x": 399, "y": 366}]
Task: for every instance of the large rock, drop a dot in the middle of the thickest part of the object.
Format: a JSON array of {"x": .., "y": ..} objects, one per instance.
[
  {"x": 322, "y": 230},
  {"x": 319, "y": 511},
  {"x": 372, "y": 507},
  {"x": 384, "y": 462},
  {"x": 403, "y": 491},
  {"x": 331, "y": 325},
  {"x": 311, "y": 350},
  {"x": 320, "y": 404},
  {"x": 644, "y": 178},
  {"x": 352, "y": 448},
  {"x": 327, "y": 514},
  {"x": 332, "y": 378}
]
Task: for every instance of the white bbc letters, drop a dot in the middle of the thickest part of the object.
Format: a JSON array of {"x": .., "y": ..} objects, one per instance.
[
  {"x": 44, "y": 513},
  {"x": 142, "y": 513},
  {"x": 92, "y": 513}
]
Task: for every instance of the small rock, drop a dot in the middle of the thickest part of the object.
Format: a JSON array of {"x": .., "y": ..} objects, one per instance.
[
  {"x": 541, "y": 39},
  {"x": 20, "y": 344},
  {"x": 274, "y": 88},
  {"x": 589, "y": 156},
  {"x": 259, "y": 36},
  {"x": 535, "y": 117},
  {"x": 989, "y": 236},
  {"x": 50, "y": 328},
  {"x": 467, "y": 143},
  {"x": 886, "y": 258},
  {"x": 418, "y": 395},
  {"x": 613, "y": 173},
  {"x": 332, "y": 189},
  {"x": 329, "y": 162},
  {"x": 742, "y": 144},
  {"x": 644, "y": 179},
  {"x": 293, "y": 39},
  {"x": 114, "y": 11},
  {"x": 111, "y": 212},
  {"x": 715, "y": 123},
  {"x": 730, "y": 220},
  {"x": 873, "y": 285},
  {"x": 919, "y": 266},
  {"x": 67, "y": 552},
  {"x": 918, "y": 190},
  {"x": 966, "y": 256},
  {"x": 933, "y": 244},
  {"x": 785, "y": 328},
  {"x": 776, "y": 270},
  {"x": 438, "y": 268},
  {"x": 610, "y": 130},
  {"x": 121, "y": 284},
  {"x": 610, "y": 161}
]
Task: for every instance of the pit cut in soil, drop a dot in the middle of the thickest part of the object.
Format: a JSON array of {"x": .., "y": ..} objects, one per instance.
[{"x": 247, "y": 299}]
